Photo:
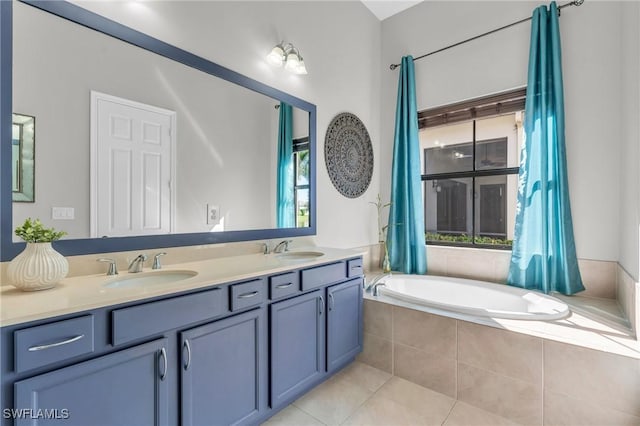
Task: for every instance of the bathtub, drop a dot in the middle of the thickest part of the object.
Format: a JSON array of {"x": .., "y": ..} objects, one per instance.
[{"x": 471, "y": 297}]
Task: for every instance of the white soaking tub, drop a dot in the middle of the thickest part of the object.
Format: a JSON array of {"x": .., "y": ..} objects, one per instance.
[{"x": 473, "y": 297}]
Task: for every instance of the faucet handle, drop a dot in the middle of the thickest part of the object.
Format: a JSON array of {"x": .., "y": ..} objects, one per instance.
[
  {"x": 113, "y": 270},
  {"x": 156, "y": 260},
  {"x": 266, "y": 248}
]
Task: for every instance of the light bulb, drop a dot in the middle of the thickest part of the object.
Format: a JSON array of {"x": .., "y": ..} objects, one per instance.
[{"x": 276, "y": 56}]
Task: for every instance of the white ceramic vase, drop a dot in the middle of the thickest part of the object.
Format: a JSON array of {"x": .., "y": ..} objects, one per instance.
[{"x": 38, "y": 267}]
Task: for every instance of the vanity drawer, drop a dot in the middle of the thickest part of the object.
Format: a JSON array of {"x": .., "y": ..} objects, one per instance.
[
  {"x": 354, "y": 267},
  {"x": 45, "y": 344},
  {"x": 247, "y": 294},
  {"x": 323, "y": 275},
  {"x": 284, "y": 285},
  {"x": 148, "y": 319}
]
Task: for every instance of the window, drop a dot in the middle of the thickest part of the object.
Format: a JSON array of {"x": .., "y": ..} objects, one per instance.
[
  {"x": 470, "y": 157},
  {"x": 301, "y": 181}
]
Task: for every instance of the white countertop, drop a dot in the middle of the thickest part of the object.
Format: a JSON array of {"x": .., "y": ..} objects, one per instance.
[{"x": 82, "y": 293}]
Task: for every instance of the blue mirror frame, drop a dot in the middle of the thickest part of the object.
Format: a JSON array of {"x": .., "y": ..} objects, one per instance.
[{"x": 78, "y": 15}]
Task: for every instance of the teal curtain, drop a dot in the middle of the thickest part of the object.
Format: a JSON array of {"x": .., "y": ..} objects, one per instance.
[
  {"x": 544, "y": 252},
  {"x": 285, "y": 210},
  {"x": 405, "y": 238}
]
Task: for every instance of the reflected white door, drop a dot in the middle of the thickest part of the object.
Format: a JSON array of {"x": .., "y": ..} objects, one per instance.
[{"x": 132, "y": 167}]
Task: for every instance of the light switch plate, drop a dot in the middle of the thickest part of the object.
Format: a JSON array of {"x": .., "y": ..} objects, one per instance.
[{"x": 63, "y": 213}]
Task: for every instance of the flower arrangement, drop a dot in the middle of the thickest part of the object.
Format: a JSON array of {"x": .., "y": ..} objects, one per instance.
[{"x": 33, "y": 231}]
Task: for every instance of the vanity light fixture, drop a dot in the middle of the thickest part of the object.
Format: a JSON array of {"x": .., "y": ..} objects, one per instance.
[{"x": 287, "y": 55}]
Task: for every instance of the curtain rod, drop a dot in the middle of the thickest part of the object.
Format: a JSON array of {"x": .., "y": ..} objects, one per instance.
[{"x": 573, "y": 3}]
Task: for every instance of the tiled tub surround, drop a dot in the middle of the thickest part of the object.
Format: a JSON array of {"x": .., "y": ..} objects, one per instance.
[{"x": 527, "y": 371}]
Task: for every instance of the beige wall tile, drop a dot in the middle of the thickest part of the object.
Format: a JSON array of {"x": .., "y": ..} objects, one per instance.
[
  {"x": 436, "y": 261},
  {"x": 628, "y": 297},
  {"x": 428, "y": 370},
  {"x": 377, "y": 318},
  {"x": 477, "y": 266},
  {"x": 467, "y": 415},
  {"x": 505, "y": 352},
  {"x": 597, "y": 377},
  {"x": 561, "y": 410},
  {"x": 333, "y": 401},
  {"x": 377, "y": 352},
  {"x": 513, "y": 399},
  {"x": 433, "y": 334},
  {"x": 429, "y": 404},
  {"x": 598, "y": 277}
]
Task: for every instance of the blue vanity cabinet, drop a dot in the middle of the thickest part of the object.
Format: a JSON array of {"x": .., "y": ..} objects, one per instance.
[
  {"x": 344, "y": 323},
  {"x": 224, "y": 373},
  {"x": 297, "y": 346},
  {"x": 123, "y": 388}
]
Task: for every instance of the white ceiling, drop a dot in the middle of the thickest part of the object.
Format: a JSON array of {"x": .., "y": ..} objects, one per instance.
[{"x": 386, "y": 8}]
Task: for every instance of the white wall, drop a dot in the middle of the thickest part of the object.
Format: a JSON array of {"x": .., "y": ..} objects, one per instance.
[
  {"x": 340, "y": 43},
  {"x": 591, "y": 59},
  {"x": 630, "y": 113}
]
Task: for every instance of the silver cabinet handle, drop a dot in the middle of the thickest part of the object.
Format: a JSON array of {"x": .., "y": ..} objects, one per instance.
[
  {"x": 284, "y": 285},
  {"x": 248, "y": 295},
  {"x": 187, "y": 360},
  {"x": 53, "y": 345},
  {"x": 163, "y": 356},
  {"x": 330, "y": 301},
  {"x": 321, "y": 307}
]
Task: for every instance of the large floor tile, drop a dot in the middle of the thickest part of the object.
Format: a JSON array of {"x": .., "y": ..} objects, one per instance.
[
  {"x": 379, "y": 411},
  {"x": 364, "y": 375},
  {"x": 292, "y": 416},
  {"x": 468, "y": 415},
  {"x": 333, "y": 401},
  {"x": 432, "y": 406}
]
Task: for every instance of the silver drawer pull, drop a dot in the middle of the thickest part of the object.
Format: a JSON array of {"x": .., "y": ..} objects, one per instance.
[
  {"x": 248, "y": 295},
  {"x": 284, "y": 285},
  {"x": 53, "y": 345}
]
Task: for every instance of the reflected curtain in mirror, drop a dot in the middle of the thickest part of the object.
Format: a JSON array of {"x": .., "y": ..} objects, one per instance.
[
  {"x": 23, "y": 158},
  {"x": 544, "y": 252},
  {"x": 285, "y": 211}
]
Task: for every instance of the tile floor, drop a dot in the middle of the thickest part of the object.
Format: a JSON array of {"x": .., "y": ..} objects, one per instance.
[{"x": 363, "y": 395}]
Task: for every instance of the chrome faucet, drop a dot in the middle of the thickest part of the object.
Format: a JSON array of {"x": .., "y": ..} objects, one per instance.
[
  {"x": 377, "y": 282},
  {"x": 136, "y": 264},
  {"x": 282, "y": 246},
  {"x": 113, "y": 270},
  {"x": 156, "y": 260}
]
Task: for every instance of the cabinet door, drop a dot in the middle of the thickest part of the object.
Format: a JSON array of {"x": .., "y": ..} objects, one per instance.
[
  {"x": 123, "y": 388},
  {"x": 224, "y": 371},
  {"x": 297, "y": 345},
  {"x": 344, "y": 323}
]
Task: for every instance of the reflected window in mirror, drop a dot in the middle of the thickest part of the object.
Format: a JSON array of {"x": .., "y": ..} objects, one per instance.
[
  {"x": 301, "y": 185},
  {"x": 23, "y": 158}
]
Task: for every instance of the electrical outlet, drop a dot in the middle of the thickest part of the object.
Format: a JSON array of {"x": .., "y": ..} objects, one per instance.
[{"x": 213, "y": 214}]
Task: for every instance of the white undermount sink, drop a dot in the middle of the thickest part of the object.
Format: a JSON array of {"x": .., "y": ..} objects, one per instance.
[
  {"x": 144, "y": 279},
  {"x": 300, "y": 255}
]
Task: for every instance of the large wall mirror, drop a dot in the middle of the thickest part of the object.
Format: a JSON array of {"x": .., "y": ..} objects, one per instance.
[{"x": 141, "y": 144}]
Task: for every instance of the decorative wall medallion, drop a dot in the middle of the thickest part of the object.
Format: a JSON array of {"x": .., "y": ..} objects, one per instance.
[{"x": 348, "y": 155}]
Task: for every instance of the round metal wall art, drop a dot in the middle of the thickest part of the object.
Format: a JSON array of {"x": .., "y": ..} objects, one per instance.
[{"x": 348, "y": 155}]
